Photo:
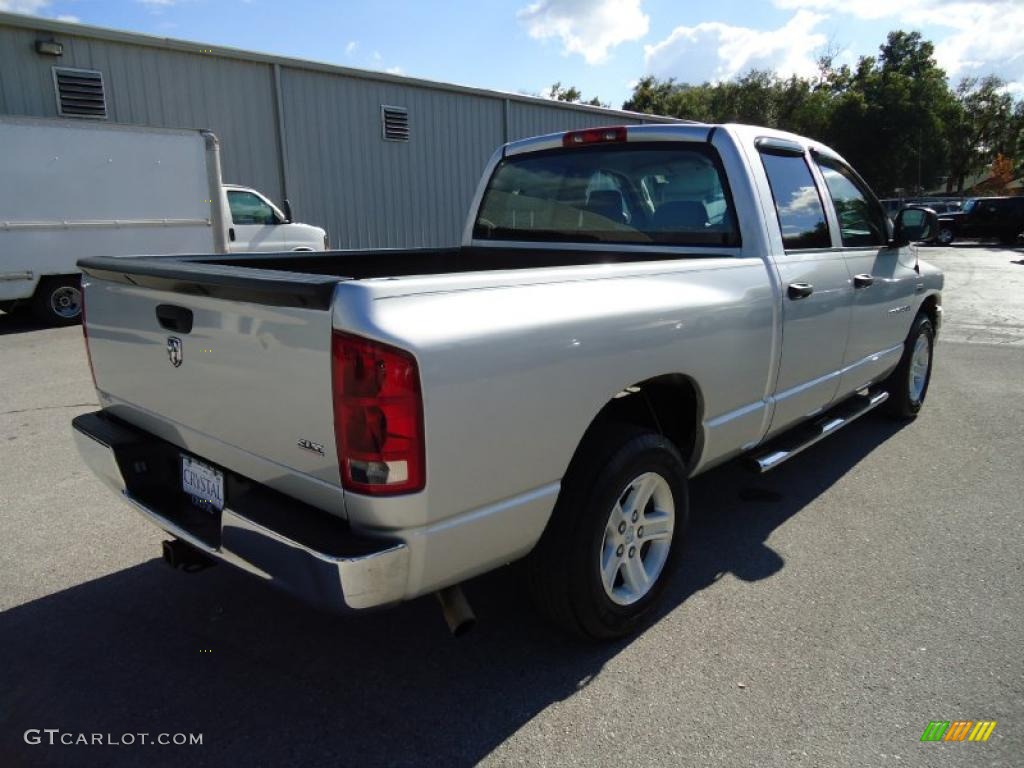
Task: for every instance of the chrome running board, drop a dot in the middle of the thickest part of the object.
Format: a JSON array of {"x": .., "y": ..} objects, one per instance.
[{"x": 789, "y": 444}]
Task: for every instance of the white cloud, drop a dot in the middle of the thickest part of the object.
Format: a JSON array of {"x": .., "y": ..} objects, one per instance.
[
  {"x": 351, "y": 47},
  {"x": 68, "y": 18},
  {"x": 587, "y": 27},
  {"x": 32, "y": 7},
  {"x": 716, "y": 51},
  {"x": 395, "y": 71},
  {"x": 985, "y": 36}
]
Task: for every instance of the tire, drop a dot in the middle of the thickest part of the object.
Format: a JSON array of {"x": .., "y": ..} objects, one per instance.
[
  {"x": 58, "y": 300},
  {"x": 946, "y": 235},
  {"x": 908, "y": 384},
  {"x": 623, "y": 468}
]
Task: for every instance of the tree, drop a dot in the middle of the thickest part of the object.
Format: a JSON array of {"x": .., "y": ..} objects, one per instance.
[
  {"x": 758, "y": 97},
  {"x": 888, "y": 121},
  {"x": 893, "y": 116},
  {"x": 980, "y": 123},
  {"x": 572, "y": 94},
  {"x": 885, "y": 114}
]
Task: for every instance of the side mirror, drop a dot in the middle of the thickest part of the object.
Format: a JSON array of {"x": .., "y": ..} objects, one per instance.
[
  {"x": 915, "y": 225},
  {"x": 288, "y": 219}
]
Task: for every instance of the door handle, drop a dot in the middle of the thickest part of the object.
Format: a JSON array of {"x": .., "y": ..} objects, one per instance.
[
  {"x": 862, "y": 281},
  {"x": 799, "y": 290},
  {"x": 172, "y": 318},
  {"x": 231, "y": 234}
]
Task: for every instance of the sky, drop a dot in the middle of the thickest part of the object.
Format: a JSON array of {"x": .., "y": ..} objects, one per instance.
[{"x": 600, "y": 46}]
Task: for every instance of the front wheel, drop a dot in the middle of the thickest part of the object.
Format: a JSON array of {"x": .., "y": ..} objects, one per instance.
[
  {"x": 945, "y": 236},
  {"x": 58, "y": 300},
  {"x": 614, "y": 536},
  {"x": 908, "y": 384}
]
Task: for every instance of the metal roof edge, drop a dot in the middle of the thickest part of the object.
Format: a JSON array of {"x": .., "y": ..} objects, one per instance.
[{"x": 40, "y": 23}]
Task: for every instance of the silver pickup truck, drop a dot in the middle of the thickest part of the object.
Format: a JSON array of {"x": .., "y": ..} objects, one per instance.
[{"x": 629, "y": 307}]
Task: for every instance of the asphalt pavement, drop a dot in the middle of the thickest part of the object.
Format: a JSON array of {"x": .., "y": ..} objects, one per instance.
[{"x": 823, "y": 615}]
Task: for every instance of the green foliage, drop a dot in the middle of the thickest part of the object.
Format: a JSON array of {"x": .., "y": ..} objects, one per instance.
[
  {"x": 572, "y": 94},
  {"x": 893, "y": 116},
  {"x": 981, "y": 125}
]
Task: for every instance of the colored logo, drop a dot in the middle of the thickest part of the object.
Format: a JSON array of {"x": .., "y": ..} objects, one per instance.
[{"x": 958, "y": 730}]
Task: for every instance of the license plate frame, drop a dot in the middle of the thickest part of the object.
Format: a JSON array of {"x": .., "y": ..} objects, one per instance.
[{"x": 202, "y": 483}]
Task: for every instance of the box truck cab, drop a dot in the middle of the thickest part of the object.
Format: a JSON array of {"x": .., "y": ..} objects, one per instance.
[
  {"x": 258, "y": 225},
  {"x": 73, "y": 189}
]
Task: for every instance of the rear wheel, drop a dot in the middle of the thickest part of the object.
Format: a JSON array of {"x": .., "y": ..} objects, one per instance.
[
  {"x": 945, "y": 235},
  {"x": 58, "y": 300},
  {"x": 616, "y": 531},
  {"x": 908, "y": 384}
]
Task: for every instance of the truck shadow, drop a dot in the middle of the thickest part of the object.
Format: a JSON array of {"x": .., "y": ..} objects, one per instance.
[
  {"x": 977, "y": 245},
  {"x": 269, "y": 682},
  {"x": 20, "y": 322}
]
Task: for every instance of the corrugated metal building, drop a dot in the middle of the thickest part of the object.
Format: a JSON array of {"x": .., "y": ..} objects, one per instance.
[{"x": 314, "y": 133}]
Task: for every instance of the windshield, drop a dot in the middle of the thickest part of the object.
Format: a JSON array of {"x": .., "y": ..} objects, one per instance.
[
  {"x": 628, "y": 193},
  {"x": 969, "y": 206}
]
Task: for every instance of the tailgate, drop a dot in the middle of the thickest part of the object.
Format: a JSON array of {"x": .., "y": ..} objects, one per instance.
[{"x": 231, "y": 364}]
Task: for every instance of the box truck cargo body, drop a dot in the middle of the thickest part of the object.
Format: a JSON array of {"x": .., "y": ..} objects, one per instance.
[{"x": 72, "y": 189}]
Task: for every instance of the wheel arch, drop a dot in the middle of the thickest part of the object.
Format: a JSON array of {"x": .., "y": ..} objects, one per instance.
[
  {"x": 670, "y": 404},
  {"x": 931, "y": 305}
]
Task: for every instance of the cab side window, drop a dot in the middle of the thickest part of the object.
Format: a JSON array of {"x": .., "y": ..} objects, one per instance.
[
  {"x": 861, "y": 219},
  {"x": 797, "y": 203},
  {"x": 247, "y": 208}
]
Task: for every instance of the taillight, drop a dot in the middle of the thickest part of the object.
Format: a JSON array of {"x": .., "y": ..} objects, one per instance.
[
  {"x": 594, "y": 136},
  {"x": 85, "y": 336},
  {"x": 378, "y": 416}
]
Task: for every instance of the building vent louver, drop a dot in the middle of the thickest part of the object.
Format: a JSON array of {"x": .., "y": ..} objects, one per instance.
[
  {"x": 395, "y": 123},
  {"x": 79, "y": 93}
]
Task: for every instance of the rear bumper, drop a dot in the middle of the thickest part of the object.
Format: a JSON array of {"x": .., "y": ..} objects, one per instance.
[{"x": 303, "y": 550}]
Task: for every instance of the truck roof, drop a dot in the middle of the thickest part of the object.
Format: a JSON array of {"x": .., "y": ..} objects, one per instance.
[{"x": 658, "y": 132}]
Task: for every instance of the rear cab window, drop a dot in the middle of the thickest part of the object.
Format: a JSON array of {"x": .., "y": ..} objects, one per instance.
[{"x": 631, "y": 193}]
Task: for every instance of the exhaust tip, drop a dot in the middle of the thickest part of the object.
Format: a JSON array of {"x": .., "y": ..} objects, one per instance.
[
  {"x": 456, "y": 611},
  {"x": 183, "y": 556}
]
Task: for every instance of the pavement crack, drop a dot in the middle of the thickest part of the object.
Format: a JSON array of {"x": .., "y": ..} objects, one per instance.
[{"x": 46, "y": 408}]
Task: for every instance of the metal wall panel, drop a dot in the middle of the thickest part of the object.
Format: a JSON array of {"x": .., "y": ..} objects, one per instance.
[{"x": 371, "y": 192}]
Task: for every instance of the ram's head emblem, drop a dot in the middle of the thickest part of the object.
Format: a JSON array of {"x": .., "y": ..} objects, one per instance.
[{"x": 174, "y": 351}]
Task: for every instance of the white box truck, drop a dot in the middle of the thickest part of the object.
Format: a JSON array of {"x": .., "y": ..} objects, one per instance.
[{"x": 71, "y": 189}]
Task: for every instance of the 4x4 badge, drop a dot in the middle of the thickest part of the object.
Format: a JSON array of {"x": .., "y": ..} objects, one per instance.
[{"x": 174, "y": 351}]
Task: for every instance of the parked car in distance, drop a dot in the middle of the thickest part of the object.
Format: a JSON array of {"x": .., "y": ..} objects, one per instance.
[
  {"x": 893, "y": 205},
  {"x": 984, "y": 218},
  {"x": 939, "y": 206},
  {"x": 72, "y": 189},
  {"x": 630, "y": 307}
]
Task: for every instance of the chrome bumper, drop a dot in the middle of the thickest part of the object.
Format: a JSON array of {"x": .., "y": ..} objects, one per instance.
[{"x": 315, "y": 557}]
